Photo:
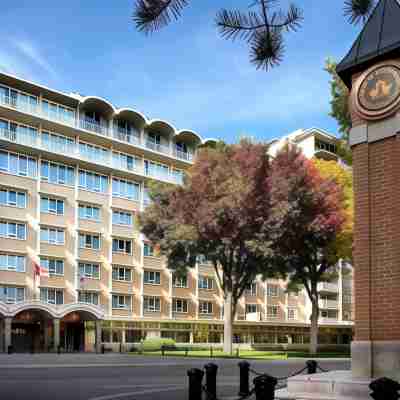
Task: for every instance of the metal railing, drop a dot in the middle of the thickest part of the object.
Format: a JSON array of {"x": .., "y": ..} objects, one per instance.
[
  {"x": 324, "y": 303},
  {"x": 91, "y": 126},
  {"x": 328, "y": 287},
  {"x": 161, "y": 148}
]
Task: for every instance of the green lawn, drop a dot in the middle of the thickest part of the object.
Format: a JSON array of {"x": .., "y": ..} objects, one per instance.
[{"x": 244, "y": 354}]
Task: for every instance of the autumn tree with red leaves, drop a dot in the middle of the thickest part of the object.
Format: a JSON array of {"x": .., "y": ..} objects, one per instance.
[
  {"x": 219, "y": 212},
  {"x": 310, "y": 216},
  {"x": 250, "y": 216}
]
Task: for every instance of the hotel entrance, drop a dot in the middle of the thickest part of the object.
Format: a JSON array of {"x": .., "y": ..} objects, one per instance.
[{"x": 31, "y": 331}]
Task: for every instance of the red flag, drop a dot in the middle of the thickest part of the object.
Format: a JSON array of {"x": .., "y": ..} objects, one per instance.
[{"x": 40, "y": 271}]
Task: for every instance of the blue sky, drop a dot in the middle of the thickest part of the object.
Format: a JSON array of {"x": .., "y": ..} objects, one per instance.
[{"x": 185, "y": 74}]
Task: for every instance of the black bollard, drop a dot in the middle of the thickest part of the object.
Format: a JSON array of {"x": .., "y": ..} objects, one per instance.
[
  {"x": 102, "y": 349},
  {"x": 10, "y": 349},
  {"x": 163, "y": 351},
  {"x": 211, "y": 351},
  {"x": 264, "y": 387},
  {"x": 59, "y": 349},
  {"x": 195, "y": 383},
  {"x": 311, "y": 367},
  {"x": 244, "y": 389},
  {"x": 385, "y": 389},
  {"x": 211, "y": 381}
]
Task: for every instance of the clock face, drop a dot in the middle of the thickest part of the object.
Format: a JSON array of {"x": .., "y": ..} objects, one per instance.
[{"x": 379, "y": 90}]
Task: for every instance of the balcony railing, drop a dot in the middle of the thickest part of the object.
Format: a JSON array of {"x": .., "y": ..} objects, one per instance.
[
  {"x": 124, "y": 136},
  {"x": 94, "y": 127},
  {"x": 328, "y": 304},
  {"x": 91, "y": 126},
  {"x": 183, "y": 155},
  {"x": 157, "y": 147},
  {"x": 328, "y": 287}
]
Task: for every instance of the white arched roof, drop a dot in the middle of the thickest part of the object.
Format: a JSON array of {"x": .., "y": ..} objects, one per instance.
[
  {"x": 105, "y": 104},
  {"x": 187, "y": 132},
  {"x": 59, "y": 311},
  {"x": 131, "y": 112}
]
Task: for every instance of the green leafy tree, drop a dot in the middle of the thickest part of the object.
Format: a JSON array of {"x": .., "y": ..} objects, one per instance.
[
  {"x": 262, "y": 26},
  {"x": 220, "y": 212},
  {"x": 310, "y": 218},
  {"x": 340, "y": 109}
]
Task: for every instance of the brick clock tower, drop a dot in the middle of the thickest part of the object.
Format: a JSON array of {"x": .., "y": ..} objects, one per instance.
[{"x": 371, "y": 70}]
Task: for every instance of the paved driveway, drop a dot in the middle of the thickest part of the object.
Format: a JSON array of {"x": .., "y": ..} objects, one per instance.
[{"x": 125, "y": 377}]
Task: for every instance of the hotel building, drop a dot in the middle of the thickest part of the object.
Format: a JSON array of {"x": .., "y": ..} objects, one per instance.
[{"x": 74, "y": 172}]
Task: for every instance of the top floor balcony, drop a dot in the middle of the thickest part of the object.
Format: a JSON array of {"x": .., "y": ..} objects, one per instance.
[
  {"x": 100, "y": 117},
  {"x": 328, "y": 287}
]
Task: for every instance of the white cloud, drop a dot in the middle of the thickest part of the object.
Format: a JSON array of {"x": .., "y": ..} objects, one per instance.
[{"x": 32, "y": 53}]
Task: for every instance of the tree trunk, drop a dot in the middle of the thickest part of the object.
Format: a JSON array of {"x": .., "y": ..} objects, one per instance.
[
  {"x": 228, "y": 311},
  {"x": 314, "y": 328}
]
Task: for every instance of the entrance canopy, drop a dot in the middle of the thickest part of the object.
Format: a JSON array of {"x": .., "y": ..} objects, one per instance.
[{"x": 87, "y": 311}]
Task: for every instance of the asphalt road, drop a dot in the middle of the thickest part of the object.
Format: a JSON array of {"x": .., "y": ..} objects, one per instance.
[{"x": 109, "y": 377}]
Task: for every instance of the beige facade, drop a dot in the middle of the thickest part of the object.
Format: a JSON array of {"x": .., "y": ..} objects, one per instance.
[{"x": 73, "y": 176}]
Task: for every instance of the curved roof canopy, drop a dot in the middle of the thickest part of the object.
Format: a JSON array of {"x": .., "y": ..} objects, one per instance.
[
  {"x": 131, "y": 115},
  {"x": 379, "y": 40},
  {"x": 99, "y": 104}
]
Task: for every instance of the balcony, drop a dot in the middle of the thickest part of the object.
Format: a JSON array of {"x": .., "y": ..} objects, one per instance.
[
  {"x": 328, "y": 287},
  {"x": 183, "y": 155},
  {"x": 331, "y": 304},
  {"x": 23, "y": 137},
  {"x": 157, "y": 147},
  {"x": 93, "y": 126},
  {"x": 18, "y": 104},
  {"x": 125, "y": 136},
  {"x": 132, "y": 137}
]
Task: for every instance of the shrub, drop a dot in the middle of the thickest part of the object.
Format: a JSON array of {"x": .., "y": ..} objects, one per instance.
[{"x": 154, "y": 344}]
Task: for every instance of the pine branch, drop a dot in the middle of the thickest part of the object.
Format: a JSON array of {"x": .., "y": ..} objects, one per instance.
[
  {"x": 234, "y": 24},
  {"x": 358, "y": 10},
  {"x": 267, "y": 48},
  {"x": 152, "y": 15}
]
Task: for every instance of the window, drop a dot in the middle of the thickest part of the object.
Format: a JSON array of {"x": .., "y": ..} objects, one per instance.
[
  {"x": 205, "y": 307},
  {"x": 58, "y": 174},
  {"x": 180, "y": 306},
  {"x": 12, "y": 198},
  {"x": 152, "y": 277},
  {"x": 151, "y": 304},
  {"x": 11, "y": 262},
  {"x": 272, "y": 290},
  {"x": 18, "y": 164},
  {"x": 93, "y": 182},
  {"x": 121, "y": 274},
  {"x": 251, "y": 308},
  {"x": 88, "y": 241},
  {"x": 121, "y": 301},
  {"x": 88, "y": 298},
  {"x": 57, "y": 112},
  {"x": 272, "y": 312},
  {"x": 94, "y": 153},
  {"x": 12, "y": 230},
  {"x": 125, "y": 161},
  {"x": 51, "y": 206},
  {"x": 177, "y": 176},
  {"x": 89, "y": 270},
  {"x": 156, "y": 170},
  {"x": 251, "y": 290},
  {"x": 148, "y": 250},
  {"x": 322, "y": 145},
  {"x": 179, "y": 281},
  {"x": 52, "y": 296},
  {"x": 291, "y": 314},
  {"x": 122, "y": 218},
  {"x": 125, "y": 189},
  {"x": 205, "y": 282},
  {"x": 52, "y": 235},
  {"x": 89, "y": 212},
  {"x": 55, "y": 267},
  {"x": 12, "y": 294},
  {"x": 58, "y": 143},
  {"x": 122, "y": 246}
]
